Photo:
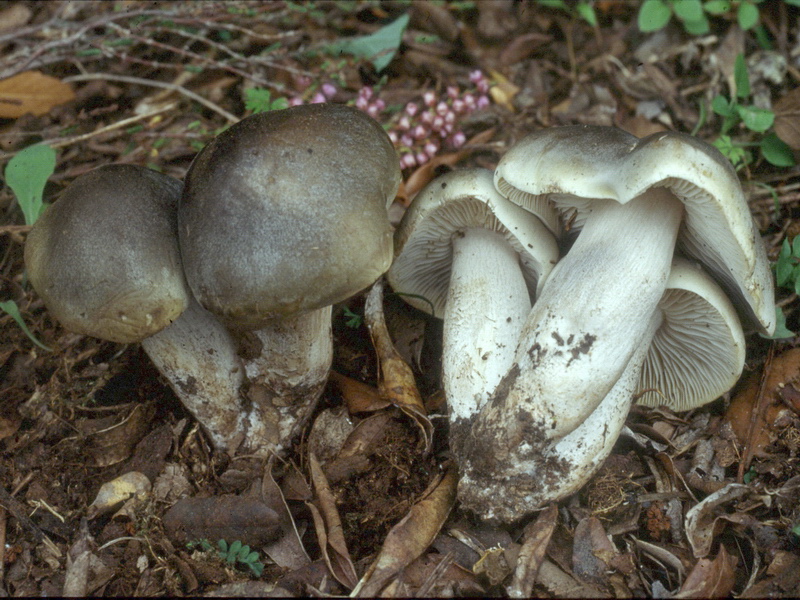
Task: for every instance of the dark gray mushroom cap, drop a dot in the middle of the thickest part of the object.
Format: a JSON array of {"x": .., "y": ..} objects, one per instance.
[
  {"x": 104, "y": 257},
  {"x": 286, "y": 212}
]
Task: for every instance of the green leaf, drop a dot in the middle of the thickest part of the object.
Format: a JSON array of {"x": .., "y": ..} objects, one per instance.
[
  {"x": 717, "y": 7},
  {"x": 783, "y": 266},
  {"x": 747, "y": 15},
  {"x": 781, "y": 332},
  {"x": 653, "y": 15},
  {"x": 723, "y": 107},
  {"x": 10, "y": 307},
  {"x": 756, "y": 119},
  {"x": 259, "y": 100},
  {"x": 688, "y": 10},
  {"x": 233, "y": 551},
  {"x": 586, "y": 11},
  {"x": 740, "y": 77},
  {"x": 776, "y": 151},
  {"x": 698, "y": 27},
  {"x": 26, "y": 174},
  {"x": 379, "y": 48}
]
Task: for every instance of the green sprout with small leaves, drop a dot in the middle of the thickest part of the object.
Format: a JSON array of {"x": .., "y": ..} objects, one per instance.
[
  {"x": 354, "y": 320},
  {"x": 26, "y": 174},
  {"x": 235, "y": 554},
  {"x": 734, "y": 111},
  {"x": 259, "y": 100},
  {"x": 583, "y": 8},
  {"x": 655, "y": 14}
]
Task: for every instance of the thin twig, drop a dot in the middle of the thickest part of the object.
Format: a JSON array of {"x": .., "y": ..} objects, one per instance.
[
  {"x": 158, "y": 84},
  {"x": 62, "y": 142}
]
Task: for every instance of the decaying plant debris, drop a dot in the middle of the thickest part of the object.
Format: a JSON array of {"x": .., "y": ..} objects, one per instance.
[{"x": 107, "y": 486}]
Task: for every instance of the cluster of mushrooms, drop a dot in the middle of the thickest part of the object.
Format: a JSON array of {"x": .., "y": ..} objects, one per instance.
[
  {"x": 592, "y": 269},
  {"x": 228, "y": 279}
]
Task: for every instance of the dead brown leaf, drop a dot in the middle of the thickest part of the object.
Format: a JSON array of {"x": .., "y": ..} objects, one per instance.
[
  {"x": 112, "y": 444},
  {"x": 535, "y": 540},
  {"x": 782, "y": 385},
  {"x": 412, "y": 535},
  {"x": 358, "y": 396},
  {"x": 787, "y": 118},
  {"x": 710, "y": 578},
  {"x": 703, "y": 521},
  {"x": 397, "y": 383},
  {"x": 32, "y": 92},
  {"x": 328, "y": 526}
]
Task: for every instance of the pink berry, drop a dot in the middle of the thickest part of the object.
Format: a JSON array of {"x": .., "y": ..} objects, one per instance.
[
  {"x": 458, "y": 139},
  {"x": 411, "y": 109},
  {"x": 483, "y": 101},
  {"x": 429, "y": 98},
  {"x": 329, "y": 90}
]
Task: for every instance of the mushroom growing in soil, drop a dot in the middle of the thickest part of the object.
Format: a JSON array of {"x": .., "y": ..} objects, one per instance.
[
  {"x": 635, "y": 202},
  {"x": 470, "y": 256},
  {"x": 104, "y": 258},
  {"x": 283, "y": 215}
]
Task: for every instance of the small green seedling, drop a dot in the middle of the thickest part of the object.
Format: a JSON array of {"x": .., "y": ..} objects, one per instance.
[
  {"x": 655, "y": 14},
  {"x": 27, "y": 174},
  {"x": 234, "y": 554},
  {"x": 354, "y": 320},
  {"x": 734, "y": 111},
  {"x": 260, "y": 100},
  {"x": 584, "y": 8},
  {"x": 787, "y": 267}
]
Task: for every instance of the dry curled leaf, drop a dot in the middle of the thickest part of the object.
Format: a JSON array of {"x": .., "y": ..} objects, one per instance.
[
  {"x": 397, "y": 383},
  {"x": 535, "y": 540},
  {"x": 710, "y": 578},
  {"x": 787, "y": 118},
  {"x": 328, "y": 526},
  {"x": 412, "y": 535},
  {"x": 32, "y": 92}
]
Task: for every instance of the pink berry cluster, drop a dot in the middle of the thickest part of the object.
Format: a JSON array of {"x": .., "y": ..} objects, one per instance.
[{"x": 421, "y": 129}]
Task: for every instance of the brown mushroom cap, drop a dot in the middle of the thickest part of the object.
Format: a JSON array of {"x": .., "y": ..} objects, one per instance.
[
  {"x": 105, "y": 258},
  {"x": 286, "y": 212}
]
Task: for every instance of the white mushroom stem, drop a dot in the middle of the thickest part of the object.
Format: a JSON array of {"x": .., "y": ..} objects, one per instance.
[
  {"x": 288, "y": 374},
  {"x": 197, "y": 356},
  {"x": 593, "y": 313},
  {"x": 561, "y": 469},
  {"x": 487, "y": 304}
]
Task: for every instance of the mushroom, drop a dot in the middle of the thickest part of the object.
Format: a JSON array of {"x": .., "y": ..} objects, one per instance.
[
  {"x": 104, "y": 258},
  {"x": 282, "y": 215},
  {"x": 696, "y": 353},
  {"x": 475, "y": 259},
  {"x": 633, "y": 202}
]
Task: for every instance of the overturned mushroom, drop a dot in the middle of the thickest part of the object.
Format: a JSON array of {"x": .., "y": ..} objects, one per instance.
[
  {"x": 696, "y": 354},
  {"x": 473, "y": 258},
  {"x": 282, "y": 215},
  {"x": 633, "y": 202},
  {"x": 105, "y": 260}
]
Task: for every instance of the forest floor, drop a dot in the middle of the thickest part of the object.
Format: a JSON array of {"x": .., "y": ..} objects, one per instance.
[{"x": 95, "y": 448}]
